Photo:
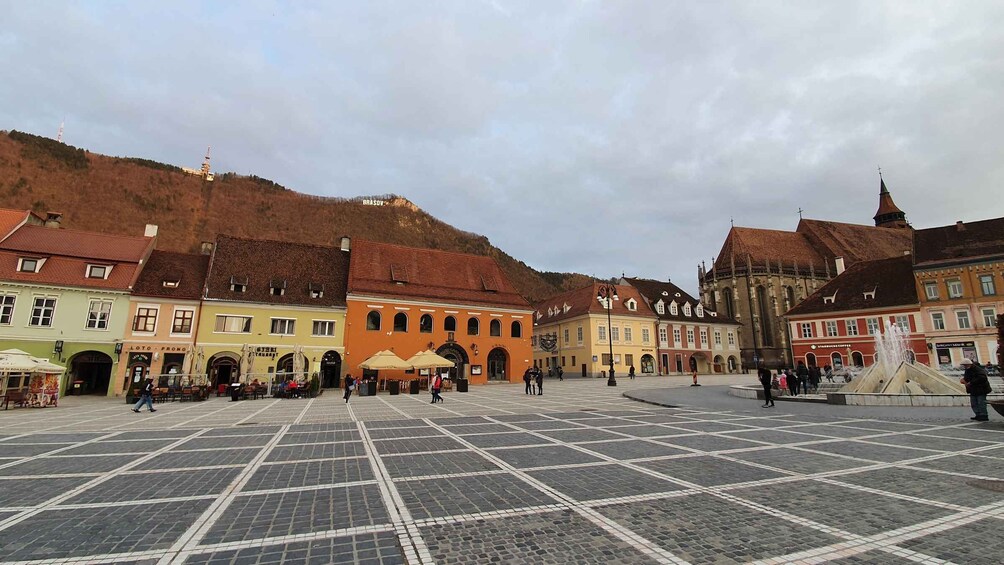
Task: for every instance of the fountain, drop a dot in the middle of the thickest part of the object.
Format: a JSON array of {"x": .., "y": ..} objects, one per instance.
[{"x": 896, "y": 372}]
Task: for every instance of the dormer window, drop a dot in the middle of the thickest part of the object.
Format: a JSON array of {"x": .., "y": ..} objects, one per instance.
[
  {"x": 870, "y": 295},
  {"x": 398, "y": 274},
  {"x": 277, "y": 287},
  {"x": 316, "y": 290},
  {"x": 686, "y": 309},
  {"x": 660, "y": 307},
  {"x": 565, "y": 308},
  {"x": 29, "y": 264},
  {"x": 172, "y": 283},
  {"x": 539, "y": 315},
  {"x": 674, "y": 309},
  {"x": 631, "y": 304},
  {"x": 700, "y": 311},
  {"x": 238, "y": 284},
  {"x": 489, "y": 284},
  {"x": 98, "y": 271}
]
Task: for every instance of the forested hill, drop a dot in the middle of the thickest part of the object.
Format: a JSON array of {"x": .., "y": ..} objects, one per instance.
[{"x": 121, "y": 195}]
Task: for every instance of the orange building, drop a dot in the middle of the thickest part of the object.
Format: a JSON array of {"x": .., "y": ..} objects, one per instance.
[{"x": 461, "y": 306}]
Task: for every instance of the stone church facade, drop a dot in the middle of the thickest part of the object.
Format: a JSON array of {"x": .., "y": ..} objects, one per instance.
[{"x": 760, "y": 274}]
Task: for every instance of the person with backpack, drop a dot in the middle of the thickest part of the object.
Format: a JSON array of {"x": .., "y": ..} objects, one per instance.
[
  {"x": 146, "y": 396},
  {"x": 437, "y": 385},
  {"x": 350, "y": 385},
  {"x": 978, "y": 387}
]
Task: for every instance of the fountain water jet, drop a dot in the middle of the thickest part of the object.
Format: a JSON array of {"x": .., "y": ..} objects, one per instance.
[{"x": 895, "y": 372}]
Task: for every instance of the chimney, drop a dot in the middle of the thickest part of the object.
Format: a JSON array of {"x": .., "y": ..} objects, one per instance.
[
  {"x": 346, "y": 243},
  {"x": 840, "y": 265},
  {"x": 959, "y": 226},
  {"x": 53, "y": 219},
  {"x": 206, "y": 248},
  {"x": 150, "y": 231}
]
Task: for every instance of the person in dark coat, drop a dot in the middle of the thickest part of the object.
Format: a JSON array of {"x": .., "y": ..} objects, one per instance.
[
  {"x": 803, "y": 377},
  {"x": 631, "y": 371},
  {"x": 792, "y": 382},
  {"x": 765, "y": 382},
  {"x": 561, "y": 373},
  {"x": 528, "y": 378},
  {"x": 146, "y": 396},
  {"x": 350, "y": 385},
  {"x": 978, "y": 387},
  {"x": 540, "y": 382},
  {"x": 815, "y": 377}
]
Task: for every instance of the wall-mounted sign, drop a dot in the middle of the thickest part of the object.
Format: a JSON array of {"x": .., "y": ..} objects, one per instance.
[{"x": 956, "y": 344}]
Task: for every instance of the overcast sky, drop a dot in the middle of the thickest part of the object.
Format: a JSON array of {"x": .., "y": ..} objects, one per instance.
[{"x": 597, "y": 137}]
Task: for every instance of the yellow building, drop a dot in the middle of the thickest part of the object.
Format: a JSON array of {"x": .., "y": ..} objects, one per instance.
[
  {"x": 581, "y": 338},
  {"x": 273, "y": 307}
]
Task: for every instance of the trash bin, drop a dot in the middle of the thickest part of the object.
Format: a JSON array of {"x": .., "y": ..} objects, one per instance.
[
  {"x": 413, "y": 386},
  {"x": 462, "y": 385},
  {"x": 235, "y": 392},
  {"x": 78, "y": 388},
  {"x": 395, "y": 387}
]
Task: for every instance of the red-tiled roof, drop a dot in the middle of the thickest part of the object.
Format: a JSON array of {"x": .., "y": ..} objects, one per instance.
[
  {"x": 260, "y": 264},
  {"x": 584, "y": 301},
  {"x": 761, "y": 245},
  {"x": 960, "y": 242},
  {"x": 886, "y": 205},
  {"x": 890, "y": 279},
  {"x": 429, "y": 274},
  {"x": 185, "y": 272},
  {"x": 10, "y": 219},
  {"x": 855, "y": 242},
  {"x": 653, "y": 291},
  {"x": 66, "y": 271},
  {"x": 74, "y": 243}
]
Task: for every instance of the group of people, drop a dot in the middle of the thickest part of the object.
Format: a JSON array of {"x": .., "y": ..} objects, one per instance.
[
  {"x": 534, "y": 376},
  {"x": 435, "y": 386},
  {"x": 803, "y": 379}
]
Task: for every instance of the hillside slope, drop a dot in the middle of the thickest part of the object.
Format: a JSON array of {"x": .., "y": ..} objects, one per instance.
[{"x": 121, "y": 195}]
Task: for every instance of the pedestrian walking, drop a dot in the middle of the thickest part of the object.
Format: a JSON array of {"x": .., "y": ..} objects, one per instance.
[
  {"x": 631, "y": 372},
  {"x": 792, "y": 382},
  {"x": 815, "y": 376},
  {"x": 527, "y": 377},
  {"x": 803, "y": 377},
  {"x": 978, "y": 387},
  {"x": 765, "y": 381},
  {"x": 561, "y": 373},
  {"x": 437, "y": 385},
  {"x": 350, "y": 385},
  {"x": 829, "y": 373},
  {"x": 540, "y": 382},
  {"x": 146, "y": 396}
]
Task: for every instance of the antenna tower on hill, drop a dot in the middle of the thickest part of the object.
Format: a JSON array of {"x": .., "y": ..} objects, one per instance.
[
  {"x": 205, "y": 164},
  {"x": 59, "y": 136}
]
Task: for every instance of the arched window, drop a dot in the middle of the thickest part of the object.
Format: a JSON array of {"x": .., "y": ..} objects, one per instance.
[
  {"x": 495, "y": 328},
  {"x": 516, "y": 330},
  {"x": 838, "y": 360},
  {"x": 766, "y": 336},
  {"x": 789, "y": 295},
  {"x": 400, "y": 322},
  {"x": 425, "y": 324},
  {"x": 810, "y": 359},
  {"x": 373, "y": 320},
  {"x": 857, "y": 359},
  {"x": 473, "y": 326},
  {"x": 730, "y": 309},
  {"x": 450, "y": 324}
]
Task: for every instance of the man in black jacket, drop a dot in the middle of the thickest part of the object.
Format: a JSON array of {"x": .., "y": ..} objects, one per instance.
[
  {"x": 978, "y": 386},
  {"x": 765, "y": 377},
  {"x": 146, "y": 396}
]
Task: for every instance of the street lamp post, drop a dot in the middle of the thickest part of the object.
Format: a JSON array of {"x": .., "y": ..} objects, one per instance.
[{"x": 606, "y": 294}]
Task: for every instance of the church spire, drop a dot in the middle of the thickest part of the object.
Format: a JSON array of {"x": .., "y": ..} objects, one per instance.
[{"x": 889, "y": 215}]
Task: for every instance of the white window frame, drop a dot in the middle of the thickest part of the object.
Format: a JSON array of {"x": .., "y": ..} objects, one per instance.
[
  {"x": 329, "y": 323},
  {"x": 565, "y": 335},
  {"x": 961, "y": 315},
  {"x": 831, "y": 328},
  {"x": 718, "y": 337},
  {"x": 852, "y": 327},
  {"x": 660, "y": 307},
  {"x": 674, "y": 309},
  {"x": 690, "y": 337},
  {"x": 993, "y": 285},
  {"x": 805, "y": 329},
  {"x": 224, "y": 331},
  {"x": 104, "y": 275},
  {"x": 989, "y": 316},
  {"x": 646, "y": 335},
  {"x": 902, "y": 321},
  {"x": 628, "y": 334},
  {"x": 873, "y": 325},
  {"x": 954, "y": 283},
  {"x": 174, "y": 318},
  {"x": 52, "y": 310},
  {"x": 700, "y": 311},
  {"x": 578, "y": 334},
  {"x": 615, "y": 333},
  {"x": 7, "y": 309},
  {"x": 930, "y": 286},
  {"x": 38, "y": 264},
  {"x": 156, "y": 319},
  {"x": 601, "y": 333},
  {"x": 290, "y": 326},
  {"x": 90, "y": 308},
  {"x": 677, "y": 337},
  {"x": 704, "y": 337},
  {"x": 937, "y": 319},
  {"x": 732, "y": 338},
  {"x": 686, "y": 309},
  {"x": 663, "y": 335}
]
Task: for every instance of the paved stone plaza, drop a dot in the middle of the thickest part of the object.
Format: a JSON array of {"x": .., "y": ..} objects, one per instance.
[{"x": 579, "y": 475}]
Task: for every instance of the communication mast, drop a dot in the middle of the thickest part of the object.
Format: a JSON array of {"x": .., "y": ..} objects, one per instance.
[{"x": 59, "y": 136}]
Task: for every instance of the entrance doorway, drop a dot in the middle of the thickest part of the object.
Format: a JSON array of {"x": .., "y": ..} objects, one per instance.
[
  {"x": 647, "y": 364},
  {"x": 92, "y": 370},
  {"x": 679, "y": 363},
  {"x": 458, "y": 355},
  {"x": 331, "y": 370},
  {"x": 497, "y": 364},
  {"x": 223, "y": 368}
]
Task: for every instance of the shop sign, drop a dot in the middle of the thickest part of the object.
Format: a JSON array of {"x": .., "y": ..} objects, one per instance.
[
  {"x": 150, "y": 348},
  {"x": 139, "y": 359},
  {"x": 956, "y": 344},
  {"x": 834, "y": 346},
  {"x": 265, "y": 351}
]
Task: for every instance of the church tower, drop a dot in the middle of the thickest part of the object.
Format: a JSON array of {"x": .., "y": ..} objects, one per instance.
[{"x": 889, "y": 215}]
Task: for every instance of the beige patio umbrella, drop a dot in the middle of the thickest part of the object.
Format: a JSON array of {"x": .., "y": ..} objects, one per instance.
[
  {"x": 429, "y": 359},
  {"x": 186, "y": 365},
  {"x": 297, "y": 361},
  {"x": 385, "y": 359}
]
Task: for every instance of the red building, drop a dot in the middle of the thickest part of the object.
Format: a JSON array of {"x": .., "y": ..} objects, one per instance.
[{"x": 837, "y": 324}]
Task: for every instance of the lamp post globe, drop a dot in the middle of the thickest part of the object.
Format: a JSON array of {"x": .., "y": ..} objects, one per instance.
[{"x": 606, "y": 295}]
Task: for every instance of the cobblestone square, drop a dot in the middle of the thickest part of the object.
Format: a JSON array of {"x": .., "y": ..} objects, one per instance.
[{"x": 585, "y": 475}]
